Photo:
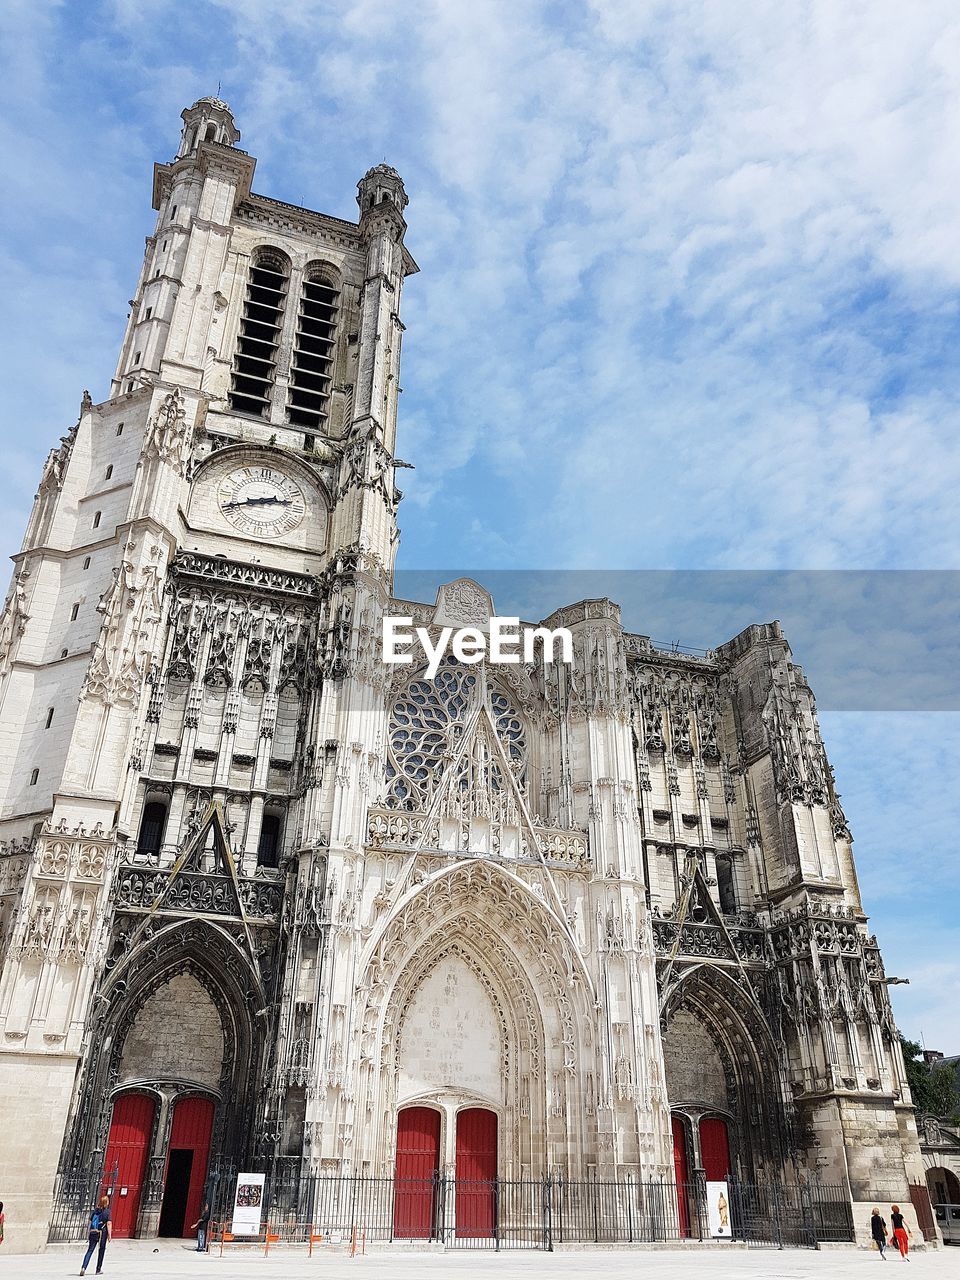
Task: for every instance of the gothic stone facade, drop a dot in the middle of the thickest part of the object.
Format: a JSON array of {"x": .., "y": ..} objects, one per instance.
[{"x": 262, "y": 894}]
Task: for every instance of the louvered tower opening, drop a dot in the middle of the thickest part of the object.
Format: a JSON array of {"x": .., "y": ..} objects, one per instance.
[
  {"x": 255, "y": 365},
  {"x": 311, "y": 373}
]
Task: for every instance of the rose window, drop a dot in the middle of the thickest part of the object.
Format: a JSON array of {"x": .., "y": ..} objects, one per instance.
[{"x": 426, "y": 722}]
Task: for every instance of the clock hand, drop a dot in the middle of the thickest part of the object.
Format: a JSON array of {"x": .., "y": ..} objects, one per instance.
[{"x": 259, "y": 502}]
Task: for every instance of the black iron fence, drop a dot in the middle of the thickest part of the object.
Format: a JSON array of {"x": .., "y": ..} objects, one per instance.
[
  {"x": 504, "y": 1213},
  {"x": 75, "y": 1196},
  {"x": 541, "y": 1213}
]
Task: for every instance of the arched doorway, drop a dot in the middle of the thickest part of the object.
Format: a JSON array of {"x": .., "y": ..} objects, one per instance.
[
  {"x": 721, "y": 1063},
  {"x": 943, "y": 1185},
  {"x": 187, "y": 1159},
  {"x": 128, "y": 1147},
  {"x": 476, "y": 1172},
  {"x": 176, "y": 1023},
  {"x": 416, "y": 1169}
]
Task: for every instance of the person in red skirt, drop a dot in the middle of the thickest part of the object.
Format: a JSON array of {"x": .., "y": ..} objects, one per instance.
[{"x": 901, "y": 1232}]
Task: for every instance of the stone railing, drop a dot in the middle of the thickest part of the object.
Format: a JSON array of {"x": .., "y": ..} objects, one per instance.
[
  {"x": 397, "y": 829},
  {"x": 206, "y": 893},
  {"x": 707, "y": 941}
]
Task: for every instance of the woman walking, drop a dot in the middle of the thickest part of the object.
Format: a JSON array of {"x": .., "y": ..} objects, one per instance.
[
  {"x": 900, "y": 1232},
  {"x": 100, "y": 1230},
  {"x": 878, "y": 1229}
]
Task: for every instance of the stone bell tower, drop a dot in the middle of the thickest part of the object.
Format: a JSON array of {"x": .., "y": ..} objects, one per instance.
[{"x": 205, "y": 544}]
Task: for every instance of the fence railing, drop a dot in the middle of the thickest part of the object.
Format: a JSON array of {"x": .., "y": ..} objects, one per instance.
[
  {"x": 539, "y": 1213},
  {"x": 75, "y": 1196},
  {"x": 503, "y": 1213}
]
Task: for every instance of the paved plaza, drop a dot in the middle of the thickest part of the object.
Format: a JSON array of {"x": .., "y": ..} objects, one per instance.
[{"x": 150, "y": 1261}]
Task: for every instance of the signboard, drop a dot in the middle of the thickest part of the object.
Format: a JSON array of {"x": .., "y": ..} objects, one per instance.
[
  {"x": 718, "y": 1210},
  {"x": 247, "y": 1204}
]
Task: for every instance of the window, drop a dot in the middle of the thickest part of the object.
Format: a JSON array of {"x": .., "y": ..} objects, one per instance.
[
  {"x": 726, "y": 886},
  {"x": 152, "y": 826},
  {"x": 254, "y": 366},
  {"x": 174, "y": 213},
  {"x": 96, "y": 519},
  {"x": 136, "y": 357},
  {"x": 34, "y": 776},
  {"x": 164, "y": 245},
  {"x": 149, "y": 312},
  {"x": 86, "y": 562},
  {"x": 49, "y": 718},
  {"x": 73, "y": 613},
  {"x": 64, "y": 652},
  {"x": 268, "y": 850},
  {"x": 119, "y": 428},
  {"x": 313, "y": 350},
  {"x": 211, "y": 134},
  {"x": 109, "y": 472}
]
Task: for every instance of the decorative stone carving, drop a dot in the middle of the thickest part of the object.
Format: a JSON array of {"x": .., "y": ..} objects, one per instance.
[
  {"x": 463, "y": 603},
  {"x": 131, "y": 609},
  {"x": 14, "y": 618},
  {"x": 168, "y": 436}
]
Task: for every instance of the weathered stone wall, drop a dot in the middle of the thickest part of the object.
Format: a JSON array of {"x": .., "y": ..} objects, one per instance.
[
  {"x": 177, "y": 1035},
  {"x": 692, "y": 1066}
]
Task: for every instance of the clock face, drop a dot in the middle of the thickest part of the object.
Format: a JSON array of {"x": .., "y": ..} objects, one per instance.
[{"x": 261, "y": 501}]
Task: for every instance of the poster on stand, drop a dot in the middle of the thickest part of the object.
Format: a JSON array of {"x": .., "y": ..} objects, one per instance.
[
  {"x": 248, "y": 1204},
  {"x": 718, "y": 1210}
]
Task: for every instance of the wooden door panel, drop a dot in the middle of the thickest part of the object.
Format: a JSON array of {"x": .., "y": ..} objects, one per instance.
[
  {"x": 415, "y": 1173},
  {"x": 715, "y": 1148},
  {"x": 476, "y": 1172},
  {"x": 128, "y": 1146}
]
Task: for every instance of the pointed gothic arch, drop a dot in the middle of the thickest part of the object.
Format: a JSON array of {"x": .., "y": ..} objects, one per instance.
[
  {"x": 481, "y": 918},
  {"x": 218, "y": 960},
  {"x": 755, "y": 1107}
]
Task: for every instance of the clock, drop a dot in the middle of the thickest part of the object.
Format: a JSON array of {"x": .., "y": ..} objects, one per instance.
[{"x": 261, "y": 501}]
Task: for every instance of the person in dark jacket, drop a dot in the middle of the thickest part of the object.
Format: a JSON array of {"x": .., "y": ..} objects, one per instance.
[
  {"x": 202, "y": 1226},
  {"x": 878, "y": 1229}
]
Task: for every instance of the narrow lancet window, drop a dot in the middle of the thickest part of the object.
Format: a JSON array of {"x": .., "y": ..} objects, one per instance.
[
  {"x": 255, "y": 365},
  {"x": 311, "y": 370}
]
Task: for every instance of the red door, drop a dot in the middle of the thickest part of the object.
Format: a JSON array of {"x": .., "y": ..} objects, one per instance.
[
  {"x": 127, "y": 1147},
  {"x": 189, "y": 1133},
  {"x": 682, "y": 1173},
  {"x": 715, "y": 1148},
  {"x": 476, "y": 1172},
  {"x": 415, "y": 1173}
]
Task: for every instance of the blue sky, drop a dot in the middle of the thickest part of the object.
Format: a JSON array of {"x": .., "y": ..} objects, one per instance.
[{"x": 689, "y": 298}]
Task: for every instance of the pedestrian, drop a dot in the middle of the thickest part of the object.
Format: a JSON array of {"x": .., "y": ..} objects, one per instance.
[
  {"x": 1, "y": 1222},
  {"x": 878, "y": 1229},
  {"x": 101, "y": 1229},
  {"x": 201, "y": 1226},
  {"x": 900, "y": 1232}
]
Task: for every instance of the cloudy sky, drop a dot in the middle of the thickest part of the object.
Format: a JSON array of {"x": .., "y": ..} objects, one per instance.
[{"x": 689, "y": 299}]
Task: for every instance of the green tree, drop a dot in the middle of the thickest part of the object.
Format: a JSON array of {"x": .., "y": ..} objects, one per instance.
[{"x": 934, "y": 1089}]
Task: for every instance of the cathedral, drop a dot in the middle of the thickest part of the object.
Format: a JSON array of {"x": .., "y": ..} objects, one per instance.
[{"x": 268, "y": 902}]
